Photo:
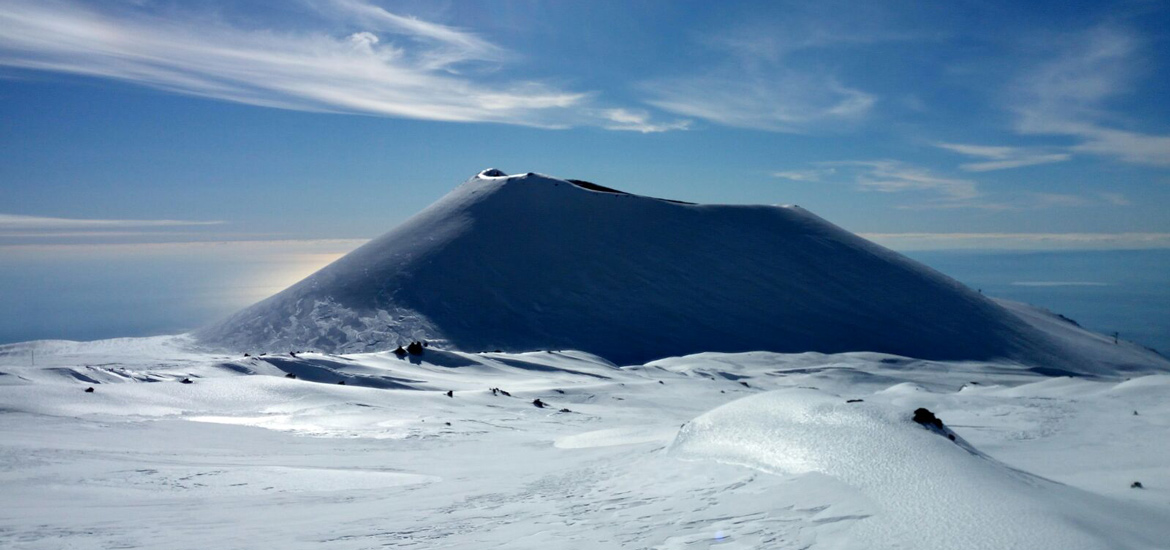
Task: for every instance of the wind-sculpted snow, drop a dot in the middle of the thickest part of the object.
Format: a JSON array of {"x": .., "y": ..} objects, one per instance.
[
  {"x": 927, "y": 491},
  {"x": 529, "y": 262},
  {"x": 447, "y": 450}
]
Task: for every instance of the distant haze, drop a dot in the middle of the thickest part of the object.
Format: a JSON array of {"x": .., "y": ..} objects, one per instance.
[{"x": 78, "y": 296}]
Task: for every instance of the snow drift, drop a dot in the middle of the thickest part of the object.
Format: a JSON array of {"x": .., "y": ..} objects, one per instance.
[
  {"x": 922, "y": 490},
  {"x": 530, "y": 262}
]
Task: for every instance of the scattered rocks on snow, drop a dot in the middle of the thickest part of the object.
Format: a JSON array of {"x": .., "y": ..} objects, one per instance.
[
  {"x": 415, "y": 348},
  {"x": 341, "y": 382},
  {"x": 538, "y": 403},
  {"x": 89, "y": 389},
  {"x": 450, "y": 393},
  {"x": 291, "y": 376},
  {"x": 1136, "y": 485},
  {"x": 399, "y": 351},
  {"x": 565, "y": 411},
  {"x": 745, "y": 384},
  {"x": 186, "y": 381},
  {"x": 855, "y": 401}
]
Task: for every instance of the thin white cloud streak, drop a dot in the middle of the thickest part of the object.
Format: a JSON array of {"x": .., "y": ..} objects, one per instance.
[
  {"x": 781, "y": 102},
  {"x": 891, "y": 176},
  {"x": 755, "y": 83},
  {"x": 1000, "y": 157},
  {"x": 949, "y": 193},
  {"x": 16, "y": 222},
  {"x": 1066, "y": 94},
  {"x": 810, "y": 176},
  {"x": 1021, "y": 241},
  {"x": 239, "y": 249},
  {"x": 639, "y": 121},
  {"x": 357, "y": 74}
]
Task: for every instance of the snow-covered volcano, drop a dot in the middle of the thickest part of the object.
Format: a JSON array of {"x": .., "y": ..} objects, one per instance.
[{"x": 531, "y": 262}]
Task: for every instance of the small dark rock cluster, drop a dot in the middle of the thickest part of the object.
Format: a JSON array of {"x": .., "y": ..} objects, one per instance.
[
  {"x": 927, "y": 418},
  {"x": 498, "y": 391},
  {"x": 1136, "y": 485},
  {"x": 413, "y": 348},
  {"x": 186, "y": 381},
  {"x": 89, "y": 389}
]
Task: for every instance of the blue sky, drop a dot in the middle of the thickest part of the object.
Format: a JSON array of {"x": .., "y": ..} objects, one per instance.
[{"x": 922, "y": 125}]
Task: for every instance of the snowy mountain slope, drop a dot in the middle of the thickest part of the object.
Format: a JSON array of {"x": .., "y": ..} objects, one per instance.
[
  {"x": 245, "y": 454},
  {"x": 530, "y": 262}
]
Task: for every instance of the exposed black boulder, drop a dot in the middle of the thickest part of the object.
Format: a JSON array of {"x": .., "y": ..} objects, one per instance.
[{"x": 927, "y": 418}]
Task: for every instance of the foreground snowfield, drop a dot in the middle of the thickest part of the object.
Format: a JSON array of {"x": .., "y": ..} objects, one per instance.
[{"x": 706, "y": 451}]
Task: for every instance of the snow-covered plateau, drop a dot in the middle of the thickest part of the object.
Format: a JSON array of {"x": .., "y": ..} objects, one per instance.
[{"x": 673, "y": 376}]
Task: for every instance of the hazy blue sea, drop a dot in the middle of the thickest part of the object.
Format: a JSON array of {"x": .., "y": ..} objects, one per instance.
[
  {"x": 85, "y": 299},
  {"x": 1127, "y": 291}
]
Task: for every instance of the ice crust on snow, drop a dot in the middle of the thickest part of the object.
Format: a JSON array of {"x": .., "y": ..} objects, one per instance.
[{"x": 530, "y": 262}]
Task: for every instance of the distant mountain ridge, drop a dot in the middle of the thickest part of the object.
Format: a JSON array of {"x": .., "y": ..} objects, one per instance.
[{"x": 530, "y": 262}]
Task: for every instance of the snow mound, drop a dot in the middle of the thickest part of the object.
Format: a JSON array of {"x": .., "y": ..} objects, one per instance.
[
  {"x": 928, "y": 492},
  {"x": 530, "y": 262}
]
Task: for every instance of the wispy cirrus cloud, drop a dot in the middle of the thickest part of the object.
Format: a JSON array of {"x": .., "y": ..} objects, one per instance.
[
  {"x": 756, "y": 82},
  {"x": 1002, "y": 157},
  {"x": 809, "y": 175},
  {"x": 1067, "y": 95},
  {"x": 892, "y": 176},
  {"x": 931, "y": 190},
  {"x": 781, "y": 101},
  {"x": 639, "y": 121},
  {"x": 389, "y": 65}
]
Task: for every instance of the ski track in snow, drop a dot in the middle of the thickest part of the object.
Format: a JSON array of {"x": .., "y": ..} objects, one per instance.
[{"x": 245, "y": 457}]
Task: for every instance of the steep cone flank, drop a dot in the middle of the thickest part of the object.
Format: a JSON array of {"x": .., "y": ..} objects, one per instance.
[{"x": 532, "y": 262}]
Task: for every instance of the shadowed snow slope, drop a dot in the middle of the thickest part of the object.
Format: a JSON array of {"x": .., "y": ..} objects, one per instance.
[
  {"x": 531, "y": 262},
  {"x": 925, "y": 490}
]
